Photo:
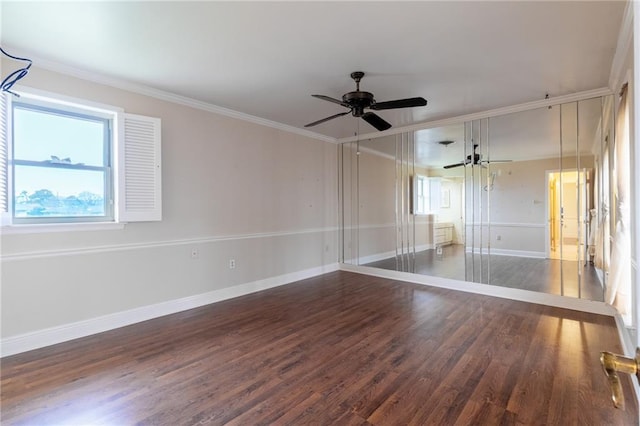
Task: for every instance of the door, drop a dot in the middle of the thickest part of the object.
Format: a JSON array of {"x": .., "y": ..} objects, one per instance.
[{"x": 565, "y": 215}]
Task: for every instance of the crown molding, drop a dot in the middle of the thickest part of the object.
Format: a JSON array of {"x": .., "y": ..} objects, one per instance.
[
  {"x": 205, "y": 106},
  {"x": 572, "y": 97},
  {"x": 164, "y": 96}
]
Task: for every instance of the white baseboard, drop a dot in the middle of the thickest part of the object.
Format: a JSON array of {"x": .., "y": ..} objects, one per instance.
[
  {"x": 575, "y": 304},
  {"x": 376, "y": 257},
  {"x": 51, "y": 336},
  {"x": 507, "y": 252},
  {"x": 389, "y": 254}
]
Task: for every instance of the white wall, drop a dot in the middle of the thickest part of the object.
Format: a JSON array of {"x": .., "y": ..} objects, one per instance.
[
  {"x": 518, "y": 205},
  {"x": 232, "y": 189},
  {"x": 376, "y": 197}
]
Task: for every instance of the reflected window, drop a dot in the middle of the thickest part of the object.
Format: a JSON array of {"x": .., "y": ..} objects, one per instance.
[{"x": 426, "y": 195}]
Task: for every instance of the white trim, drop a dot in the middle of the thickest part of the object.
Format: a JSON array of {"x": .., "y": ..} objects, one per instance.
[
  {"x": 51, "y": 336},
  {"x": 508, "y": 225},
  {"x": 389, "y": 254},
  {"x": 572, "y": 97},
  {"x": 164, "y": 96},
  {"x": 69, "y": 102},
  {"x": 625, "y": 37},
  {"x": 376, "y": 153},
  {"x": 427, "y": 222},
  {"x": 507, "y": 252},
  {"x": 60, "y": 227},
  {"x": 373, "y": 226},
  {"x": 183, "y": 100},
  {"x": 528, "y": 296},
  {"x": 374, "y": 257},
  {"x": 152, "y": 244}
]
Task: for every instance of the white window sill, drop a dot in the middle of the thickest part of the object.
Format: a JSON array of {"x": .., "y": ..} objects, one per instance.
[{"x": 60, "y": 227}]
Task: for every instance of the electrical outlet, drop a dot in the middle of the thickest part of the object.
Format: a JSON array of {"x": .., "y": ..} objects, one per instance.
[
  {"x": 232, "y": 264},
  {"x": 195, "y": 253}
]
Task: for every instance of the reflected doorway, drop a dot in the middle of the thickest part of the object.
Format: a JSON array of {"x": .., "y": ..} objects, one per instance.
[{"x": 566, "y": 207}]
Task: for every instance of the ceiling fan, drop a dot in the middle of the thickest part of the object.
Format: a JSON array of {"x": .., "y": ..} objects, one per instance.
[
  {"x": 358, "y": 101},
  {"x": 475, "y": 160}
]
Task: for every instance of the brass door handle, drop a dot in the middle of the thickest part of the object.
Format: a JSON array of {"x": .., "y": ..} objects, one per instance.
[{"x": 613, "y": 364}]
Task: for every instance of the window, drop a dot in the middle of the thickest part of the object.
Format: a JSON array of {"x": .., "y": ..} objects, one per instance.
[
  {"x": 67, "y": 161},
  {"x": 426, "y": 195},
  {"x": 61, "y": 168}
]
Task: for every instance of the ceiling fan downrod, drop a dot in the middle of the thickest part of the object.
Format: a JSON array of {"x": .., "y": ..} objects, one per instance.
[{"x": 357, "y": 76}]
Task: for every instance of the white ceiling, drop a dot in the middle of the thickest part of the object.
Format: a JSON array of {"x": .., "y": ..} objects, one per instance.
[
  {"x": 266, "y": 58},
  {"x": 521, "y": 136}
]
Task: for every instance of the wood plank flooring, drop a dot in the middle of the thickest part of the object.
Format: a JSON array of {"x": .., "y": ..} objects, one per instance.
[
  {"x": 339, "y": 349},
  {"x": 527, "y": 273}
]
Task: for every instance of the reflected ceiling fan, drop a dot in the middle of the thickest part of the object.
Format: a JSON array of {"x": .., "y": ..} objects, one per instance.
[
  {"x": 358, "y": 101},
  {"x": 475, "y": 160}
]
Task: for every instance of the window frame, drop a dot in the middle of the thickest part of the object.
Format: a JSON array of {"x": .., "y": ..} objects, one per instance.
[
  {"x": 136, "y": 165},
  {"x": 77, "y": 112},
  {"x": 427, "y": 203}
]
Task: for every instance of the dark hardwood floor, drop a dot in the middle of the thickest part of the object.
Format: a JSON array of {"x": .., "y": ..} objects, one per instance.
[
  {"x": 339, "y": 349},
  {"x": 527, "y": 273}
]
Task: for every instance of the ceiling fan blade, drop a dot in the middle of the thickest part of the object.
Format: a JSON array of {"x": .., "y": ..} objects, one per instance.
[
  {"x": 376, "y": 121},
  {"x": 400, "y": 103},
  {"x": 496, "y": 161},
  {"x": 450, "y": 166},
  {"x": 335, "y": 101},
  {"x": 327, "y": 119}
]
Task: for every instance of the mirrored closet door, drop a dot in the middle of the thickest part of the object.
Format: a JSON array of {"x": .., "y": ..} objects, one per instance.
[{"x": 516, "y": 200}]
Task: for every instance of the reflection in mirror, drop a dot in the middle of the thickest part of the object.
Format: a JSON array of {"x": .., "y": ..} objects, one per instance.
[
  {"x": 411, "y": 207},
  {"x": 519, "y": 200},
  {"x": 347, "y": 193},
  {"x": 377, "y": 198}
]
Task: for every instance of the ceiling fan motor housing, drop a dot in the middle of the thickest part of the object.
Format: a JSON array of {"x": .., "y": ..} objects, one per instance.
[{"x": 358, "y": 101}]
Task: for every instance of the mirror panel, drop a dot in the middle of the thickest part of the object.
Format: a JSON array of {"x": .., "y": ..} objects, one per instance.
[
  {"x": 512, "y": 201},
  {"x": 377, "y": 200}
]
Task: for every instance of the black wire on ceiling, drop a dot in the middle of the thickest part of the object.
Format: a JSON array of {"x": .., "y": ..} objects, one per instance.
[{"x": 11, "y": 79}]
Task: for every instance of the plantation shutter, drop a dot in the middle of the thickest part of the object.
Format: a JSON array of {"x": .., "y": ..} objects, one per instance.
[{"x": 140, "y": 190}]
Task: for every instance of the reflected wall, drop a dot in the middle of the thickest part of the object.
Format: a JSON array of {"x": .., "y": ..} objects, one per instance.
[{"x": 516, "y": 200}]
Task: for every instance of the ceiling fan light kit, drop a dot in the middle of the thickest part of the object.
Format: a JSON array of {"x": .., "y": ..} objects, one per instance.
[{"x": 358, "y": 101}]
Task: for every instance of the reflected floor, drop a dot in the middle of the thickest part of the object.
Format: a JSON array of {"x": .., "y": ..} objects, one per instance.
[{"x": 541, "y": 275}]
